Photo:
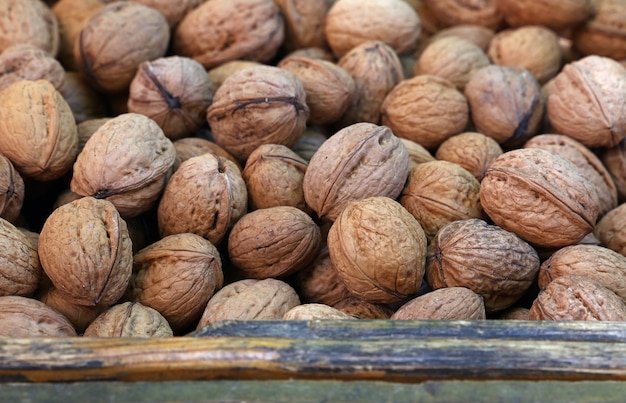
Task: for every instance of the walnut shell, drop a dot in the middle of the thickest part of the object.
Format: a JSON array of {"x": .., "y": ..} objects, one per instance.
[
  {"x": 129, "y": 319},
  {"x": 103, "y": 51},
  {"x": 127, "y": 162},
  {"x": 218, "y": 31},
  {"x": 614, "y": 160},
  {"x": 426, "y": 109},
  {"x": 30, "y": 22},
  {"x": 361, "y": 309},
  {"x": 492, "y": 262},
  {"x": 87, "y": 128},
  {"x": 320, "y": 282},
  {"x": 577, "y": 298},
  {"x": 11, "y": 191},
  {"x": 84, "y": 101},
  {"x": 255, "y": 106},
  {"x": 308, "y": 144},
  {"x": 315, "y": 312},
  {"x": 219, "y": 73},
  {"x": 205, "y": 196},
  {"x": 177, "y": 275},
  {"x": 28, "y": 62},
  {"x": 540, "y": 196},
  {"x": 588, "y": 101},
  {"x": 473, "y": 151},
  {"x": 189, "y": 147},
  {"x": 359, "y": 161},
  {"x": 379, "y": 250},
  {"x": 417, "y": 153},
  {"x": 27, "y": 317},
  {"x": 478, "y": 35},
  {"x": 611, "y": 229},
  {"x": 250, "y": 299},
  {"x": 603, "y": 34},
  {"x": 37, "y": 130},
  {"x": 173, "y": 91},
  {"x": 454, "y": 12},
  {"x": 556, "y": 14},
  {"x": 80, "y": 316},
  {"x": 85, "y": 250},
  {"x": 20, "y": 271},
  {"x": 304, "y": 22},
  {"x": 453, "y": 303}
]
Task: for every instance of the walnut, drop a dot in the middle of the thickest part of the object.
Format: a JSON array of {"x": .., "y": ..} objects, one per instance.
[
  {"x": 614, "y": 160},
  {"x": 308, "y": 144},
  {"x": 11, "y": 191},
  {"x": 85, "y": 250},
  {"x": 28, "y": 62},
  {"x": 472, "y": 151},
  {"x": 361, "y": 309},
  {"x": 611, "y": 229},
  {"x": 218, "y": 31},
  {"x": 603, "y": 34},
  {"x": 315, "y": 312},
  {"x": 250, "y": 299},
  {"x": 379, "y": 250},
  {"x": 189, "y": 147},
  {"x": 173, "y": 11},
  {"x": 103, "y": 51},
  {"x": 359, "y": 161},
  {"x": 37, "y": 130},
  {"x": 20, "y": 271},
  {"x": 129, "y": 319},
  {"x": 320, "y": 282},
  {"x": 426, "y": 109},
  {"x": 304, "y": 22},
  {"x": 452, "y": 303},
  {"x": 577, "y": 298},
  {"x": 477, "y": 34},
  {"x": 177, "y": 275},
  {"x": 258, "y": 105},
  {"x": 417, "y": 153},
  {"x": 127, "y": 162},
  {"x": 219, "y": 73},
  {"x": 455, "y": 12},
  {"x": 173, "y": 91},
  {"x": 84, "y": 101},
  {"x": 27, "y": 317},
  {"x": 30, "y": 22},
  {"x": 87, "y": 128},
  {"x": 80, "y": 316},
  {"x": 205, "y": 196},
  {"x": 556, "y": 14},
  {"x": 588, "y": 101},
  {"x": 492, "y": 262},
  {"x": 540, "y": 196},
  {"x": 514, "y": 313}
]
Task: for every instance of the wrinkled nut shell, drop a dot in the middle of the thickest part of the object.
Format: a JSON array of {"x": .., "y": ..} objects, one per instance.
[
  {"x": 304, "y": 22},
  {"x": 28, "y": 62},
  {"x": 30, "y": 22},
  {"x": 454, "y": 12},
  {"x": 315, "y": 312},
  {"x": 473, "y": 151},
  {"x": 454, "y": 303},
  {"x": 611, "y": 229},
  {"x": 320, "y": 282},
  {"x": 189, "y": 147},
  {"x": 11, "y": 190},
  {"x": 80, "y": 316},
  {"x": 20, "y": 271},
  {"x": 556, "y": 14},
  {"x": 129, "y": 319},
  {"x": 27, "y": 317}
]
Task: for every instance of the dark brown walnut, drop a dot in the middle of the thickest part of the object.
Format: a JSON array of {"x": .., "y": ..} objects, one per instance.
[
  {"x": 219, "y": 73},
  {"x": 540, "y": 196},
  {"x": 219, "y": 31},
  {"x": 20, "y": 271},
  {"x": 329, "y": 88},
  {"x": 593, "y": 169},
  {"x": 274, "y": 175},
  {"x": 506, "y": 104},
  {"x": 376, "y": 70},
  {"x": 255, "y": 106},
  {"x": 453, "y": 58},
  {"x": 577, "y": 298},
  {"x": 315, "y": 312},
  {"x": 37, "y": 130},
  {"x": 250, "y": 299},
  {"x": 587, "y": 101},
  {"x": 350, "y": 23},
  {"x": 129, "y": 319},
  {"x": 273, "y": 242},
  {"x": 556, "y": 14},
  {"x": 611, "y": 229},
  {"x": 472, "y": 151},
  {"x": 603, "y": 34},
  {"x": 84, "y": 101},
  {"x": 514, "y": 313},
  {"x": 492, "y": 262},
  {"x": 80, "y": 316},
  {"x": 177, "y": 275},
  {"x": 173, "y": 11},
  {"x": 189, "y": 147},
  {"x": 477, "y": 34},
  {"x": 534, "y": 48},
  {"x": 614, "y": 160},
  {"x": 27, "y": 317},
  {"x": 361, "y": 309},
  {"x": 116, "y": 40},
  {"x": 127, "y": 161},
  {"x": 455, "y": 12},
  {"x": 28, "y": 62},
  {"x": 598, "y": 263},
  {"x": 87, "y": 128},
  {"x": 86, "y": 251},
  {"x": 11, "y": 191},
  {"x": 304, "y": 22},
  {"x": 308, "y": 144},
  {"x": 427, "y": 109},
  {"x": 320, "y": 282},
  {"x": 417, "y": 153},
  {"x": 205, "y": 196},
  {"x": 173, "y": 91},
  {"x": 30, "y": 22},
  {"x": 378, "y": 249},
  {"x": 439, "y": 192},
  {"x": 452, "y": 303},
  {"x": 359, "y": 161}
]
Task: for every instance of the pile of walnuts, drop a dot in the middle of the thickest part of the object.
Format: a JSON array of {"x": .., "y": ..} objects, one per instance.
[{"x": 168, "y": 164}]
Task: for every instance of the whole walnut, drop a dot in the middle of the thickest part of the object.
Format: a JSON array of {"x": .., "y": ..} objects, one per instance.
[
  {"x": 127, "y": 161},
  {"x": 359, "y": 161},
  {"x": 451, "y": 303},
  {"x": 587, "y": 101},
  {"x": 11, "y": 191},
  {"x": 540, "y": 196},
  {"x": 379, "y": 250},
  {"x": 603, "y": 34},
  {"x": 472, "y": 151},
  {"x": 320, "y": 282},
  {"x": 614, "y": 160},
  {"x": 476, "y": 34},
  {"x": 485, "y": 13},
  {"x": 315, "y": 312},
  {"x": 427, "y": 109},
  {"x": 27, "y": 317},
  {"x": 304, "y": 22},
  {"x": 611, "y": 229},
  {"x": 218, "y": 31},
  {"x": 205, "y": 196},
  {"x": 116, "y": 40},
  {"x": 20, "y": 271},
  {"x": 173, "y": 91},
  {"x": 492, "y": 262},
  {"x": 129, "y": 319},
  {"x": 255, "y": 106},
  {"x": 177, "y": 275},
  {"x": 250, "y": 299},
  {"x": 80, "y": 316},
  {"x": 362, "y": 309},
  {"x": 86, "y": 251},
  {"x": 349, "y": 23},
  {"x": 556, "y": 14},
  {"x": 37, "y": 130},
  {"x": 28, "y": 62},
  {"x": 85, "y": 102},
  {"x": 30, "y": 22}
]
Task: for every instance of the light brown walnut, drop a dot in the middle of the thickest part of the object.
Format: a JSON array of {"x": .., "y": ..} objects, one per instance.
[
  {"x": 452, "y": 303},
  {"x": 129, "y": 319},
  {"x": 20, "y": 271},
  {"x": 27, "y": 317},
  {"x": 472, "y": 151}
]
